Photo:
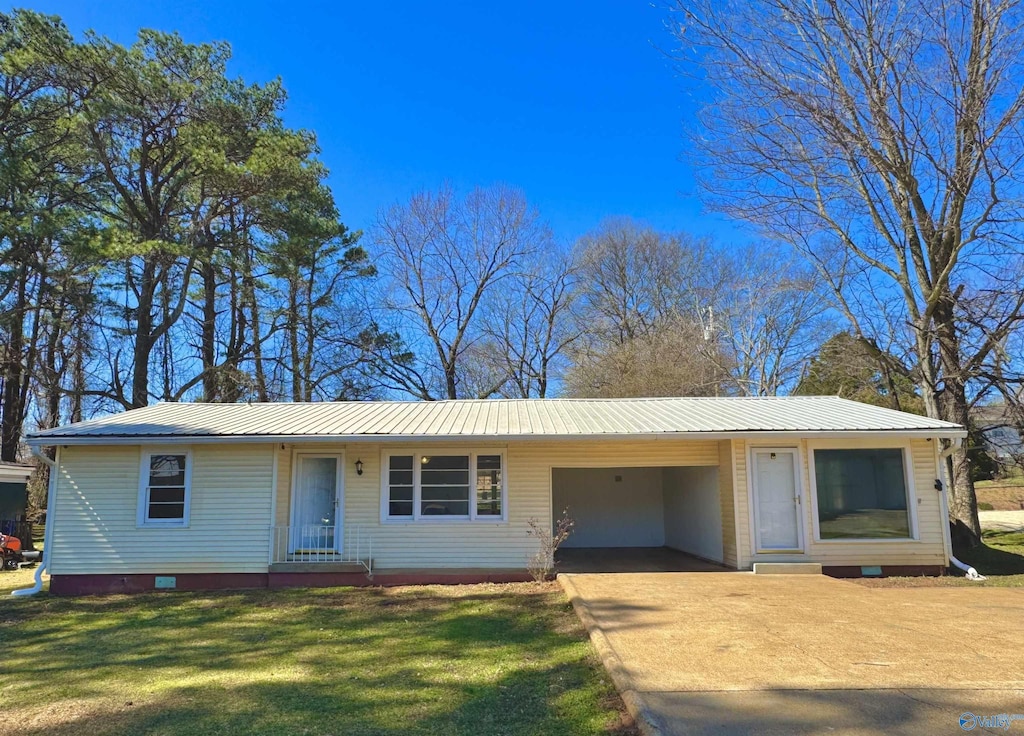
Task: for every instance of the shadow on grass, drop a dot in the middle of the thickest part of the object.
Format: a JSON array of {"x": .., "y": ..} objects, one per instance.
[
  {"x": 1001, "y": 553},
  {"x": 531, "y": 702},
  {"x": 334, "y": 661}
]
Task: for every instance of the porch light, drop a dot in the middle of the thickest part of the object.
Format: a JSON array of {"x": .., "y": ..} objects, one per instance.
[{"x": 359, "y": 467}]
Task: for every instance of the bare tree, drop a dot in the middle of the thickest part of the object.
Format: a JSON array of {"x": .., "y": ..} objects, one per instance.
[
  {"x": 643, "y": 297},
  {"x": 529, "y": 328},
  {"x": 632, "y": 278},
  {"x": 772, "y": 317},
  {"x": 442, "y": 259},
  {"x": 671, "y": 360},
  {"x": 883, "y": 137}
]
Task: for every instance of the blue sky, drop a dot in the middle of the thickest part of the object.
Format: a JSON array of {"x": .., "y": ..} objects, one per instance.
[{"x": 572, "y": 102}]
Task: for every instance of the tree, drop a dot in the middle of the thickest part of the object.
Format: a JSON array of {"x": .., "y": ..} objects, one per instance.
[
  {"x": 443, "y": 259},
  {"x": 848, "y": 366},
  {"x": 770, "y": 316},
  {"x": 45, "y": 252},
  {"x": 670, "y": 360},
  {"x": 883, "y": 138},
  {"x": 529, "y": 328}
]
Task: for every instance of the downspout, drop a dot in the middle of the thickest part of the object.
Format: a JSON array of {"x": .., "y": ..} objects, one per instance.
[
  {"x": 48, "y": 532},
  {"x": 969, "y": 572}
]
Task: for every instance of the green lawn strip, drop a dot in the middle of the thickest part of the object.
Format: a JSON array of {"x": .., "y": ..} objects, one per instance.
[
  {"x": 1000, "y": 559},
  {"x": 465, "y": 660}
]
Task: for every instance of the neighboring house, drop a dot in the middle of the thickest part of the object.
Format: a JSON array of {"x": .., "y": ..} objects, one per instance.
[
  {"x": 998, "y": 432},
  {"x": 13, "y": 481},
  {"x": 230, "y": 495}
]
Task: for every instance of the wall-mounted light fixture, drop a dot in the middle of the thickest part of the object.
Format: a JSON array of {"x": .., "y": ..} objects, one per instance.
[{"x": 359, "y": 467}]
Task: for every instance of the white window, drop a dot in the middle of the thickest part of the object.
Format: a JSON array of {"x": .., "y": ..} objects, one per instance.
[
  {"x": 862, "y": 493},
  {"x": 165, "y": 480},
  {"x": 443, "y": 485}
]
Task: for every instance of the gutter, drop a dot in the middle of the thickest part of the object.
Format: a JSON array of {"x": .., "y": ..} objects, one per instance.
[
  {"x": 134, "y": 438},
  {"x": 969, "y": 572},
  {"x": 51, "y": 493}
]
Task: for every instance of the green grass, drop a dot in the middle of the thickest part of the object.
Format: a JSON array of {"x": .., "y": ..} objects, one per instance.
[{"x": 496, "y": 659}]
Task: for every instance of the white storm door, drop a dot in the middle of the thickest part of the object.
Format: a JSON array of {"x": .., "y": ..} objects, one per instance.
[
  {"x": 776, "y": 499},
  {"x": 316, "y": 504}
]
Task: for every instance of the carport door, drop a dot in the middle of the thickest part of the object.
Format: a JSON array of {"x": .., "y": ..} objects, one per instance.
[{"x": 776, "y": 500}]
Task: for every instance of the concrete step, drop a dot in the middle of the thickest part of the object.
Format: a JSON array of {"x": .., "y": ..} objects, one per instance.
[
  {"x": 299, "y": 566},
  {"x": 787, "y": 568}
]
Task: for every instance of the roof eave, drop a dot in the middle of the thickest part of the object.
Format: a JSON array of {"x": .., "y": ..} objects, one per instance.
[{"x": 137, "y": 439}]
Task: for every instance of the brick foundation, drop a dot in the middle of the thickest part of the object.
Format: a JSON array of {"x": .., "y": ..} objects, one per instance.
[
  {"x": 888, "y": 571},
  {"x": 69, "y": 585}
]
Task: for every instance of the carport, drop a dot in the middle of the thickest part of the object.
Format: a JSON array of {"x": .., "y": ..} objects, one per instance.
[{"x": 651, "y": 519}]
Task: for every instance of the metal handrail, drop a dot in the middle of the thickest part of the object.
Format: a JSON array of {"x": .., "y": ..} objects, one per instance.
[{"x": 316, "y": 543}]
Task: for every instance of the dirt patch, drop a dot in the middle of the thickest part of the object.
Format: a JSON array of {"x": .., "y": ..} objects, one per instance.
[{"x": 1003, "y": 496}]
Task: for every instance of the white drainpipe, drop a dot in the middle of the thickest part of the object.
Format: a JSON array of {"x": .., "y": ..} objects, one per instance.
[
  {"x": 970, "y": 572},
  {"x": 48, "y": 533}
]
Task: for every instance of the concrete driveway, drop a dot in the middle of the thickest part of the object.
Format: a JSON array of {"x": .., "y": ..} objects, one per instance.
[
  {"x": 1002, "y": 521},
  {"x": 737, "y": 653}
]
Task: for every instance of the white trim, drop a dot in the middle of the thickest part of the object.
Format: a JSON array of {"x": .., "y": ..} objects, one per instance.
[
  {"x": 908, "y": 480},
  {"x": 798, "y": 506},
  {"x": 417, "y": 486},
  {"x": 142, "y": 519},
  {"x": 339, "y": 494},
  {"x": 762, "y": 435},
  {"x": 273, "y": 505},
  {"x": 737, "y": 536}
]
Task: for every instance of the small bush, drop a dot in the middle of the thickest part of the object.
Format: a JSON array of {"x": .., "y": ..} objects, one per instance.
[
  {"x": 542, "y": 563},
  {"x": 985, "y": 506}
]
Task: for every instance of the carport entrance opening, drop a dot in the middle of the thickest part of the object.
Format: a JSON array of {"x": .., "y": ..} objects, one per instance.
[{"x": 614, "y": 508}]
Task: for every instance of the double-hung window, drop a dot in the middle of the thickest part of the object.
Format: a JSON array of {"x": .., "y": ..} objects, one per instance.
[
  {"x": 444, "y": 485},
  {"x": 165, "y": 479},
  {"x": 862, "y": 493}
]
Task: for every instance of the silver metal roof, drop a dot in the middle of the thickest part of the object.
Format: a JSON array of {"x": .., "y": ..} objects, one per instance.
[{"x": 496, "y": 419}]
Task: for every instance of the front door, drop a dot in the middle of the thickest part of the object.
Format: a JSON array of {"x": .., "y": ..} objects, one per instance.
[
  {"x": 316, "y": 503},
  {"x": 776, "y": 500}
]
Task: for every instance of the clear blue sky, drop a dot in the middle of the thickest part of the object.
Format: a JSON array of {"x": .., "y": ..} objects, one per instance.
[{"x": 572, "y": 102}]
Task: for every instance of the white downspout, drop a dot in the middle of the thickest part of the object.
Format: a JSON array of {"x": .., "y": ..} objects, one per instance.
[
  {"x": 48, "y": 532},
  {"x": 970, "y": 572}
]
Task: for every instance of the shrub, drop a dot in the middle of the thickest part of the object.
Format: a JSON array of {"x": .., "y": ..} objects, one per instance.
[{"x": 542, "y": 563}]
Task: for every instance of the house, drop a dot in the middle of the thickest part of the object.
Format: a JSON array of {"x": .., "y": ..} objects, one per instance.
[
  {"x": 13, "y": 482},
  {"x": 998, "y": 431},
  {"x": 194, "y": 496}
]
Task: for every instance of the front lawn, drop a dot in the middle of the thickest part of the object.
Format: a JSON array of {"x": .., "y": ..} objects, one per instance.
[{"x": 488, "y": 659}]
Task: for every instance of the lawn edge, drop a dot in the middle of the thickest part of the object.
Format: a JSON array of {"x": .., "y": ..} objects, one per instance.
[{"x": 638, "y": 709}]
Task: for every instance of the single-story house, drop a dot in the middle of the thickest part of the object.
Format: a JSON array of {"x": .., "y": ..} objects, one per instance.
[{"x": 194, "y": 496}]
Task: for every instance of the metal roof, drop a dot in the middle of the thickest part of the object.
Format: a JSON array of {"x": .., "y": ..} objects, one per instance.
[{"x": 496, "y": 419}]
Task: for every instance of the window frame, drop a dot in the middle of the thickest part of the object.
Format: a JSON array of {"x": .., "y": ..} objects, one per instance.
[
  {"x": 417, "y": 517},
  {"x": 908, "y": 479},
  {"x": 142, "y": 519}
]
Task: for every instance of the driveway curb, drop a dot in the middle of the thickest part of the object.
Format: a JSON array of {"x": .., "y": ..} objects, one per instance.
[{"x": 642, "y": 714}]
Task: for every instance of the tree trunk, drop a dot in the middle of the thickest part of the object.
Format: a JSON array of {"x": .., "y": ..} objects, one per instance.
[
  {"x": 208, "y": 334},
  {"x": 143, "y": 347},
  {"x": 13, "y": 372},
  {"x": 953, "y": 406}
]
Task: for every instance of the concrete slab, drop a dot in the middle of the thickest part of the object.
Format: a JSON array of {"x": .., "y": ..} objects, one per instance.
[
  {"x": 1002, "y": 521},
  {"x": 631, "y": 559},
  {"x": 787, "y": 568},
  {"x": 737, "y": 650}
]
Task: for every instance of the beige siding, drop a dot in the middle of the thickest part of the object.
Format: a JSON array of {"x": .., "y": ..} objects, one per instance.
[
  {"x": 725, "y": 495},
  {"x": 461, "y": 544},
  {"x": 97, "y": 490},
  {"x": 740, "y": 484},
  {"x": 928, "y": 549},
  {"x": 97, "y": 500}
]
